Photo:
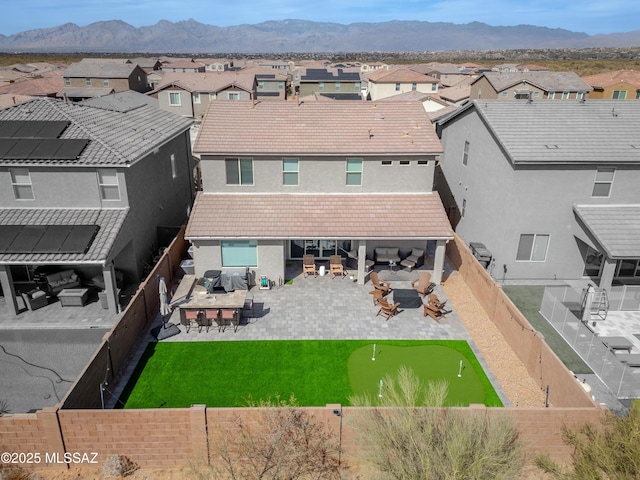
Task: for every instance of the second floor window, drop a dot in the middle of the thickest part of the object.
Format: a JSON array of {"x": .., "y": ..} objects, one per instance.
[
  {"x": 105, "y": 82},
  {"x": 532, "y": 248},
  {"x": 414, "y": 86},
  {"x": 67, "y": 81},
  {"x": 21, "y": 182},
  {"x": 260, "y": 85},
  {"x": 196, "y": 97},
  {"x": 234, "y": 96},
  {"x": 87, "y": 81},
  {"x": 603, "y": 182},
  {"x": 434, "y": 87},
  {"x": 174, "y": 99},
  {"x": 397, "y": 87},
  {"x": 354, "y": 171},
  {"x": 212, "y": 95},
  {"x": 619, "y": 94},
  {"x": 320, "y": 86},
  {"x": 108, "y": 184},
  {"x": 465, "y": 153},
  {"x": 290, "y": 171},
  {"x": 239, "y": 171}
]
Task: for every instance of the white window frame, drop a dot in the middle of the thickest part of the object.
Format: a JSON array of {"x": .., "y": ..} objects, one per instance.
[
  {"x": 105, "y": 82},
  {"x": 552, "y": 95},
  {"x": 414, "y": 86},
  {"x": 212, "y": 95},
  {"x": 434, "y": 87},
  {"x": 465, "y": 153},
  {"x": 196, "y": 97},
  {"x": 290, "y": 173},
  {"x": 397, "y": 87},
  {"x": 234, "y": 96},
  {"x": 104, "y": 186},
  {"x": 602, "y": 178},
  {"x": 565, "y": 95},
  {"x": 386, "y": 163},
  {"x": 321, "y": 86},
  {"x": 239, "y": 163},
  {"x": 404, "y": 163},
  {"x": 250, "y": 247},
  {"x": 260, "y": 84},
  {"x": 67, "y": 81},
  {"x": 20, "y": 188},
  {"x": 535, "y": 247},
  {"x": 87, "y": 81},
  {"x": 350, "y": 173},
  {"x": 337, "y": 86},
  {"x": 615, "y": 95},
  {"x": 172, "y": 96}
]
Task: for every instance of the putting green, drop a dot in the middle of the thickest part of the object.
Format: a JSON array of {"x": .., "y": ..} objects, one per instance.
[{"x": 428, "y": 362}]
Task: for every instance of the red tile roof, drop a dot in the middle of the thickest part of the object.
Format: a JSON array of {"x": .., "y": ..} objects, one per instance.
[
  {"x": 402, "y": 75},
  {"x": 290, "y": 216},
  {"x": 312, "y": 128}
]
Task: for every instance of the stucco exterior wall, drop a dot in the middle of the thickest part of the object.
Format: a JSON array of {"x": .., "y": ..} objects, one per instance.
[
  {"x": 607, "y": 93},
  {"x": 384, "y": 90},
  {"x": 324, "y": 174},
  {"x": 308, "y": 88},
  {"x": 185, "y": 108}
]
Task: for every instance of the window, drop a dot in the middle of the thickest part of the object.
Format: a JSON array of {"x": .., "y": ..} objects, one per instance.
[
  {"x": 234, "y": 96},
  {"x": 592, "y": 263},
  {"x": 320, "y": 86},
  {"x": 174, "y": 167},
  {"x": 637, "y": 94},
  {"x": 565, "y": 95},
  {"x": 239, "y": 253},
  {"x": 87, "y": 81},
  {"x": 536, "y": 94},
  {"x": 354, "y": 171},
  {"x": 405, "y": 162},
  {"x": 21, "y": 181},
  {"x": 532, "y": 248},
  {"x": 552, "y": 95},
  {"x": 356, "y": 86},
  {"x": 67, "y": 81},
  {"x": 239, "y": 171},
  {"x": 580, "y": 95},
  {"x": 108, "y": 184},
  {"x": 465, "y": 153},
  {"x": 290, "y": 171},
  {"x": 423, "y": 162},
  {"x": 196, "y": 97},
  {"x": 603, "y": 182},
  {"x": 280, "y": 85},
  {"x": 386, "y": 162},
  {"x": 414, "y": 86},
  {"x": 212, "y": 95},
  {"x": 260, "y": 84},
  {"x": 627, "y": 268},
  {"x": 105, "y": 82},
  {"x": 337, "y": 86},
  {"x": 434, "y": 87},
  {"x": 397, "y": 87},
  {"x": 619, "y": 94},
  {"x": 505, "y": 94},
  {"x": 174, "y": 99}
]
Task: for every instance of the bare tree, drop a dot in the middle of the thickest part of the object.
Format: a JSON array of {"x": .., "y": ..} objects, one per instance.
[
  {"x": 409, "y": 435},
  {"x": 283, "y": 443}
]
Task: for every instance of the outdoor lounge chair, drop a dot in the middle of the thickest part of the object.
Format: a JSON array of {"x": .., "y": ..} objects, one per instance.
[
  {"x": 423, "y": 284},
  {"x": 309, "y": 266},
  {"x": 384, "y": 287},
  {"x": 434, "y": 308},
  {"x": 377, "y": 296},
  {"x": 335, "y": 266},
  {"x": 386, "y": 309}
]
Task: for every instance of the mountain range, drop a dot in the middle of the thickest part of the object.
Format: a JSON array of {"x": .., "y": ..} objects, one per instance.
[{"x": 190, "y": 36}]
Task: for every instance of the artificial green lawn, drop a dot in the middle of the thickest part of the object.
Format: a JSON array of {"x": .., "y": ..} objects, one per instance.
[{"x": 316, "y": 372}]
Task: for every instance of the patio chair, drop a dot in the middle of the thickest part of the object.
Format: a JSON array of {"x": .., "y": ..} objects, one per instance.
[
  {"x": 213, "y": 315},
  {"x": 384, "y": 287},
  {"x": 335, "y": 266},
  {"x": 247, "y": 309},
  {"x": 229, "y": 317},
  {"x": 309, "y": 266},
  {"x": 377, "y": 296},
  {"x": 423, "y": 284},
  {"x": 204, "y": 321},
  {"x": 35, "y": 299},
  {"x": 190, "y": 318},
  {"x": 434, "y": 308},
  {"x": 387, "y": 310}
]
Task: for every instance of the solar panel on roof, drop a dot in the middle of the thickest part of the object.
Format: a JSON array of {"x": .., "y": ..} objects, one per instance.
[
  {"x": 7, "y": 234},
  {"x": 53, "y": 129},
  {"x": 6, "y": 144},
  {"x": 46, "y": 149},
  {"x": 54, "y": 236},
  {"x": 22, "y": 149},
  {"x": 70, "y": 149},
  {"x": 80, "y": 239},
  {"x": 9, "y": 127},
  {"x": 29, "y": 129},
  {"x": 32, "y": 128},
  {"x": 26, "y": 239}
]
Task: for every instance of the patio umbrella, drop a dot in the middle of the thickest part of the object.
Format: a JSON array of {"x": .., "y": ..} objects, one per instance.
[
  {"x": 164, "y": 302},
  {"x": 588, "y": 300}
]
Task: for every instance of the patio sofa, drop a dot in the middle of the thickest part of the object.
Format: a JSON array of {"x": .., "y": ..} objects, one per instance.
[
  {"x": 387, "y": 254},
  {"x": 35, "y": 299},
  {"x": 58, "y": 281}
]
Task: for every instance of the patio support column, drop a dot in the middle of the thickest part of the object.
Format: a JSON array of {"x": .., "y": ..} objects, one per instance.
[
  {"x": 6, "y": 280},
  {"x": 110, "y": 287},
  {"x": 608, "y": 271},
  {"x": 438, "y": 261},
  {"x": 362, "y": 257}
]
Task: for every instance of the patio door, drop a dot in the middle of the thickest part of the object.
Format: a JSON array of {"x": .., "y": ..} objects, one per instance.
[{"x": 321, "y": 249}]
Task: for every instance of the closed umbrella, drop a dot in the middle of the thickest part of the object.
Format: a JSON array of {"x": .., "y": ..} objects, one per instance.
[
  {"x": 164, "y": 302},
  {"x": 587, "y": 302}
]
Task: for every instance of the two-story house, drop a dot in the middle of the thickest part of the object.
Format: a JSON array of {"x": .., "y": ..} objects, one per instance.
[
  {"x": 618, "y": 85},
  {"x": 550, "y": 188},
  {"x": 385, "y": 83},
  {"x": 80, "y": 78},
  {"x": 336, "y": 83},
  {"x": 532, "y": 85},
  {"x": 84, "y": 187},
  {"x": 284, "y": 179}
]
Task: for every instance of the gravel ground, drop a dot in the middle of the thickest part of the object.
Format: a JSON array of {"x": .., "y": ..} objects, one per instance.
[{"x": 518, "y": 385}]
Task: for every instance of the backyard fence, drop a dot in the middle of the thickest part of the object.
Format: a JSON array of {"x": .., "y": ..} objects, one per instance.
[{"x": 559, "y": 307}]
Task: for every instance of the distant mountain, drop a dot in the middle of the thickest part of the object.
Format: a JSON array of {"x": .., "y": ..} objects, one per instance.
[{"x": 190, "y": 36}]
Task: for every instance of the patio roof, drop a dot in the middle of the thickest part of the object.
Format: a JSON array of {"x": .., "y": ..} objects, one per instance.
[
  {"x": 615, "y": 227},
  {"x": 109, "y": 221},
  {"x": 292, "y": 216}
]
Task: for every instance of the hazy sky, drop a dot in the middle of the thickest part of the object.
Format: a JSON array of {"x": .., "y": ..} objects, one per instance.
[{"x": 589, "y": 16}]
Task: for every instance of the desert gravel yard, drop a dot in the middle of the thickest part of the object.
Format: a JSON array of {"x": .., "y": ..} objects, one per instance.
[{"x": 518, "y": 385}]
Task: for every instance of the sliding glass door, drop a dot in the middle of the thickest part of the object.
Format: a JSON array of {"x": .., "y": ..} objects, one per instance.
[{"x": 318, "y": 248}]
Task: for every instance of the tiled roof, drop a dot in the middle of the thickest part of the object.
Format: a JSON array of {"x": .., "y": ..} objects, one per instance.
[
  {"x": 616, "y": 227},
  {"x": 402, "y": 75},
  {"x": 548, "y": 81},
  {"x": 109, "y": 220},
  {"x": 326, "y": 128},
  {"x": 594, "y": 131},
  {"x": 603, "y": 80},
  {"x": 206, "y": 81},
  {"x": 282, "y": 216},
  {"x": 115, "y": 138},
  {"x": 84, "y": 92},
  {"x": 47, "y": 84},
  {"x": 99, "y": 69},
  {"x": 121, "y": 101}
]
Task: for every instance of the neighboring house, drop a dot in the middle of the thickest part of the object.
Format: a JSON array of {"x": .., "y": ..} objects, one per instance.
[
  {"x": 84, "y": 187},
  {"x": 106, "y": 76},
  {"x": 385, "y": 83},
  {"x": 269, "y": 84},
  {"x": 618, "y": 85},
  {"x": 457, "y": 94},
  {"x": 46, "y": 84},
  {"x": 430, "y": 102},
  {"x": 325, "y": 178},
  {"x": 336, "y": 83},
  {"x": 189, "y": 94},
  {"x": 372, "y": 67},
  {"x": 529, "y": 86},
  {"x": 446, "y": 73},
  {"x": 148, "y": 64},
  {"x": 217, "y": 64},
  {"x": 550, "y": 188},
  {"x": 184, "y": 66}
]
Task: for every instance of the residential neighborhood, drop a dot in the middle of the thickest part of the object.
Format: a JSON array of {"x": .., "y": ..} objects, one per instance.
[{"x": 192, "y": 202}]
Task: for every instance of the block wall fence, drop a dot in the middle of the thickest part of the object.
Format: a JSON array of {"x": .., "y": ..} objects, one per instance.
[{"x": 177, "y": 436}]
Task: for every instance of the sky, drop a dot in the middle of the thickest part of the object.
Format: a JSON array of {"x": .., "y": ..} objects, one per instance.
[{"x": 589, "y": 16}]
